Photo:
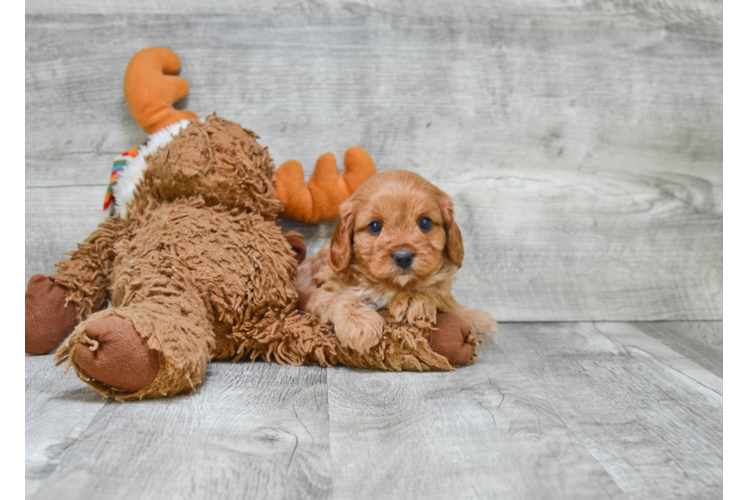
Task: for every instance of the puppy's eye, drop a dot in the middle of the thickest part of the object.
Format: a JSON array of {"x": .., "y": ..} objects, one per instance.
[
  {"x": 425, "y": 223},
  {"x": 375, "y": 227}
]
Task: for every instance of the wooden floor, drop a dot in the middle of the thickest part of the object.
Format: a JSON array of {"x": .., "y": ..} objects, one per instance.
[{"x": 549, "y": 410}]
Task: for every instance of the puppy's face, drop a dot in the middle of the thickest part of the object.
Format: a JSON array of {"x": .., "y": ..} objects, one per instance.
[{"x": 398, "y": 228}]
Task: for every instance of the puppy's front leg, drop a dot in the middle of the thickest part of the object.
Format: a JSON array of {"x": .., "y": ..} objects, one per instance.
[{"x": 357, "y": 326}]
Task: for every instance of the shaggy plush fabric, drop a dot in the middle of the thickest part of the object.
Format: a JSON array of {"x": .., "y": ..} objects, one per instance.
[
  {"x": 219, "y": 161},
  {"x": 200, "y": 269}
]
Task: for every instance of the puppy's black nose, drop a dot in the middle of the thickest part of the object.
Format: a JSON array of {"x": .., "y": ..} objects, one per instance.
[{"x": 403, "y": 259}]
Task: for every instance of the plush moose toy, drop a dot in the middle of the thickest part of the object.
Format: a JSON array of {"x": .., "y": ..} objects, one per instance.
[{"x": 196, "y": 267}]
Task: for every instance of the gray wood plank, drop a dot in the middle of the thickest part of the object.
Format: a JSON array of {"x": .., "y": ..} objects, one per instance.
[
  {"x": 681, "y": 12},
  {"x": 59, "y": 410},
  {"x": 734, "y": 349},
  {"x": 585, "y": 410},
  {"x": 409, "y": 88},
  {"x": 251, "y": 431},
  {"x": 733, "y": 181},
  {"x": 699, "y": 341},
  {"x": 650, "y": 416},
  {"x": 733, "y": 237},
  {"x": 482, "y": 431},
  {"x": 583, "y": 144}
]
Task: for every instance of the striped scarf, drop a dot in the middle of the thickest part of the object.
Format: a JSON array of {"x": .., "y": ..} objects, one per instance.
[{"x": 119, "y": 165}]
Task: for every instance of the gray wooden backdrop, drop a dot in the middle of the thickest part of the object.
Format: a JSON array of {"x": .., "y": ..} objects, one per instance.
[{"x": 582, "y": 141}]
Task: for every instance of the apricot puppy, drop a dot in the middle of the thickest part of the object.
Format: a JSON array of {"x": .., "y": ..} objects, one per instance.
[{"x": 396, "y": 247}]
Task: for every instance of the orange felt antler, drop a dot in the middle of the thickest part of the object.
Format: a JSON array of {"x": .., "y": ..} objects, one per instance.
[
  {"x": 319, "y": 200},
  {"x": 151, "y": 90}
]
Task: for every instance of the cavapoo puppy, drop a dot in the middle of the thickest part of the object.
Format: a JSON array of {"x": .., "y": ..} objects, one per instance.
[{"x": 396, "y": 247}]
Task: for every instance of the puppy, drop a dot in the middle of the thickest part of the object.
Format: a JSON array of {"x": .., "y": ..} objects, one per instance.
[{"x": 396, "y": 247}]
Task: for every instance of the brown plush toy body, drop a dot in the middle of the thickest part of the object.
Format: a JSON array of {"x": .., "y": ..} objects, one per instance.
[{"x": 196, "y": 268}]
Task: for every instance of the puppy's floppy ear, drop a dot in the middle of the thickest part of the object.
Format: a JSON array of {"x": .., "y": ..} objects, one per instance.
[
  {"x": 454, "y": 248},
  {"x": 341, "y": 244}
]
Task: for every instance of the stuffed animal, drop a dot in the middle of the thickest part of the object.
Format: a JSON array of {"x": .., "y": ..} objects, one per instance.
[{"x": 195, "y": 265}]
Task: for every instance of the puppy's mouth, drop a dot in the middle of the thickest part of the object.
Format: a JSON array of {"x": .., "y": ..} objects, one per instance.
[{"x": 404, "y": 279}]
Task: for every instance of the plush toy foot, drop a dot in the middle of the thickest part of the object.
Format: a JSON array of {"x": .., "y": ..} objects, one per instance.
[
  {"x": 448, "y": 339},
  {"x": 296, "y": 240},
  {"x": 48, "y": 319},
  {"x": 116, "y": 355}
]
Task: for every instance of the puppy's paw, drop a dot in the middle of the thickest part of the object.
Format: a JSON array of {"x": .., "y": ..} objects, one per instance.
[
  {"x": 416, "y": 309},
  {"x": 398, "y": 306},
  {"x": 480, "y": 321},
  {"x": 359, "y": 329}
]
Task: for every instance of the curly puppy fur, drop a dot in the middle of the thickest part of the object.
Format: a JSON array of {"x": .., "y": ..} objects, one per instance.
[{"x": 397, "y": 248}]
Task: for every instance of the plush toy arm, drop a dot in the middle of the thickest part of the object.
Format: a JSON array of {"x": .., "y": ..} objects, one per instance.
[
  {"x": 86, "y": 273},
  {"x": 318, "y": 201},
  {"x": 151, "y": 90}
]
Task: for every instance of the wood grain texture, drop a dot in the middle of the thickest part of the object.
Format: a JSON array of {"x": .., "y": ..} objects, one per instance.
[
  {"x": 676, "y": 11},
  {"x": 699, "y": 341},
  {"x": 582, "y": 142},
  {"x": 651, "y": 417},
  {"x": 734, "y": 349},
  {"x": 733, "y": 238},
  {"x": 59, "y": 411},
  {"x": 482, "y": 431},
  {"x": 251, "y": 431},
  {"x": 564, "y": 410}
]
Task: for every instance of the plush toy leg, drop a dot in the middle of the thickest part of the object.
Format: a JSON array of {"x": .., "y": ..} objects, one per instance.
[
  {"x": 115, "y": 354},
  {"x": 451, "y": 337},
  {"x": 56, "y": 304},
  {"x": 152, "y": 347},
  {"x": 300, "y": 339},
  {"x": 283, "y": 336}
]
